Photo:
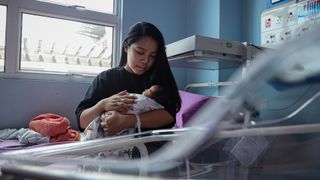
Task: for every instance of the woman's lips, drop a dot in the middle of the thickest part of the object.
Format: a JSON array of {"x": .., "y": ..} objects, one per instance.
[{"x": 141, "y": 68}]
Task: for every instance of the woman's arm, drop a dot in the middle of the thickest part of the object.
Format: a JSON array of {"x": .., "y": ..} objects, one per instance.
[
  {"x": 155, "y": 119},
  {"x": 120, "y": 102},
  {"x": 89, "y": 114},
  {"x": 116, "y": 122}
]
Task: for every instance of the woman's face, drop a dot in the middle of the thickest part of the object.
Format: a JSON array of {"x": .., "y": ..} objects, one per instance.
[{"x": 141, "y": 55}]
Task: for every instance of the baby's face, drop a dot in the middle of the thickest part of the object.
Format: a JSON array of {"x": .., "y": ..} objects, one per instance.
[{"x": 151, "y": 91}]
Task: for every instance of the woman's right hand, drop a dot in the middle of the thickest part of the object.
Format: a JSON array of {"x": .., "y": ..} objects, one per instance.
[{"x": 121, "y": 102}]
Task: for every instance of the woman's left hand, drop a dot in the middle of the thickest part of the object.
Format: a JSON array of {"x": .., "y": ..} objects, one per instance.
[{"x": 114, "y": 122}]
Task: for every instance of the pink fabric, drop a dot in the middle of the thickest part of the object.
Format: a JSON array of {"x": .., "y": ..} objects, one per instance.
[
  {"x": 71, "y": 135},
  {"x": 50, "y": 124},
  {"x": 54, "y": 126},
  {"x": 191, "y": 103}
]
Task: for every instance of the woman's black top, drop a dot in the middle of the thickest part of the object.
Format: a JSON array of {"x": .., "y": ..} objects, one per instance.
[{"x": 111, "y": 82}]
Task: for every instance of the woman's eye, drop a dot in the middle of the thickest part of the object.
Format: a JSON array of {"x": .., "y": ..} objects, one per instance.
[{"x": 140, "y": 52}]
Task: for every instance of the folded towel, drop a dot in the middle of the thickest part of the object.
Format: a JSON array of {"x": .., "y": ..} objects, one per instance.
[
  {"x": 70, "y": 135},
  {"x": 50, "y": 124}
]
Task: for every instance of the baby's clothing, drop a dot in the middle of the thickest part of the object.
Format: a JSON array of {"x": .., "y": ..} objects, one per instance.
[{"x": 143, "y": 104}]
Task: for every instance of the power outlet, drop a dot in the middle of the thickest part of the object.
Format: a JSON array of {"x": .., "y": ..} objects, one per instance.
[
  {"x": 267, "y": 23},
  {"x": 278, "y": 20},
  {"x": 286, "y": 35},
  {"x": 291, "y": 17},
  {"x": 270, "y": 39},
  {"x": 301, "y": 30}
]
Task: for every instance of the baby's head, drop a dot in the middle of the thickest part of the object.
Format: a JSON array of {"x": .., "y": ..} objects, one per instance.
[{"x": 155, "y": 92}]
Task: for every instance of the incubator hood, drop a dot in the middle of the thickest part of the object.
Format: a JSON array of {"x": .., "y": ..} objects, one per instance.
[
  {"x": 201, "y": 52},
  {"x": 206, "y": 48}
]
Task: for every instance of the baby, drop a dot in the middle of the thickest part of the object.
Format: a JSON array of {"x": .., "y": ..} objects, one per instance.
[{"x": 147, "y": 101}]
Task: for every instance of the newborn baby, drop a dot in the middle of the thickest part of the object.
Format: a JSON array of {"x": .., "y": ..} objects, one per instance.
[{"x": 147, "y": 101}]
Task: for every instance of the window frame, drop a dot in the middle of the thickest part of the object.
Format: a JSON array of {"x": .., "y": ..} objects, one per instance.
[{"x": 15, "y": 9}]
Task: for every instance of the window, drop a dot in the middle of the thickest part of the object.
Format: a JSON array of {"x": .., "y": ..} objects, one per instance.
[
  {"x": 2, "y": 35},
  {"x": 105, "y": 6},
  {"x": 52, "y": 37},
  {"x": 75, "y": 48}
]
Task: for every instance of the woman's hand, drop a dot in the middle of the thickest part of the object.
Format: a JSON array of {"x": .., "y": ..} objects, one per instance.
[
  {"x": 121, "y": 102},
  {"x": 114, "y": 122}
]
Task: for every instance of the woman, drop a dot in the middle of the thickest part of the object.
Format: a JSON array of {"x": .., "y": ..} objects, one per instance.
[{"x": 143, "y": 63}]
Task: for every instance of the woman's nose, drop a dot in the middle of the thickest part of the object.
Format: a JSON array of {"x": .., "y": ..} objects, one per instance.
[{"x": 145, "y": 59}]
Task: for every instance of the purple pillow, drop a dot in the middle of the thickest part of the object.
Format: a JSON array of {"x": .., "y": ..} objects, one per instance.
[{"x": 191, "y": 103}]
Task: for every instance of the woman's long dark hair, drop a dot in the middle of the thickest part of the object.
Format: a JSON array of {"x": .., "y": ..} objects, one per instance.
[{"x": 160, "y": 72}]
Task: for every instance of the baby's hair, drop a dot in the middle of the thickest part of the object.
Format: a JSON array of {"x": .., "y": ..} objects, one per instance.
[{"x": 161, "y": 94}]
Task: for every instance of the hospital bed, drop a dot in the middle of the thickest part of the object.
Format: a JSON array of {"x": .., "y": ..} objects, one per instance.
[{"x": 281, "y": 141}]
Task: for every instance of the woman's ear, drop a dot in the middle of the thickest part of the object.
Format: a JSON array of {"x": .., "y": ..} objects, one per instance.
[{"x": 125, "y": 47}]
